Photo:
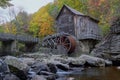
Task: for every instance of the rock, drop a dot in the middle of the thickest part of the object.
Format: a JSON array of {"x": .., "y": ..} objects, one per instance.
[
  {"x": 17, "y": 67},
  {"x": 52, "y": 67},
  {"x": 108, "y": 63},
  {"x": 38, "y": 77},
  {"x": 28, "y": 61},
  {"x": 45, "y": 73},
  {"x": 110, "y": 45},
  {"x": 3, "y": 67},
  {"x": 62, "y": 66},
  {"x": 78, "y": 69},
  {"x": 76, "y": 62},
  {"x": 31, "y": 74},
  {"x": 70, "y": 78},
  {"x": 10, "y": 77},
  {"x": 16, "y": 62},
  {"x": 59, "y": 58},
  {"x": 37, "y": 55},
  {"x": 39, "y": 66},
  {"x": 118, "y": 67},
  {"x": 50, "y": 77},
  {"x": 116, "y": 60},
  {"x": 117, "y": 57},
  {"x": 93, "y": 61}
]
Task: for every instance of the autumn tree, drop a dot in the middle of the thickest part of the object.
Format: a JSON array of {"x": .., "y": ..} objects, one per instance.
[
  {"x": 21, "y": 22},
  {"x": 18, "y": 21},
  {"x": 104, "y": 10},
  {"x": 42, "y": 23},
  {"x": 9, "y": 26}
]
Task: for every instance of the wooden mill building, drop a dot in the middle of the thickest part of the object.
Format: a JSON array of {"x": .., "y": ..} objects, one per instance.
[{"x": 83, "y": 27}]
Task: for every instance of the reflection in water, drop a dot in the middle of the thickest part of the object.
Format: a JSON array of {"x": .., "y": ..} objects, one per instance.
[{"x": 109, "y": 73}]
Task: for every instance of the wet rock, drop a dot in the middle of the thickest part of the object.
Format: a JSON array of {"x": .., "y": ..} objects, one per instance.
[
  {"x": 3, "y": 67},
  {"x": 45, "y": 73},
  {"x": 93, "y": 61},
  {"x": 48, "y": 75},
  {"x": 10, "y": 77},
  {"x": 116, "y": 60},
  {"x": 62, "y": 66},
  {"x": 79, "y": 69},
  {"x": 70, "y": 78},
  {"x": 108, "y": 63},
  {"x": 52, "y": 67},
  {"x": 118, "y": 67},
  {"x": 31, "y": 74},
  {"x": 39, "y": 66},
  {"x": 38, "y": 77}
]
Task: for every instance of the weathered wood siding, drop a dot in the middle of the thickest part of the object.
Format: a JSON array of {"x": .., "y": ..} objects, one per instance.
[
  {"x": 65, "y": 22},
  {"x": 86, "y": 28}
]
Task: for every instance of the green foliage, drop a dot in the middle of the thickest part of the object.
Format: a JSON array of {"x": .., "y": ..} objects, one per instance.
[
  {"x": 5, "y": 3},
  {"x": 42, "y": 22},
  {"x": 105, "y": 11},
  {"x": 1, "y": 29},
  {"x": 19, "y": 25},
  {"x": 21, "y": 22}
]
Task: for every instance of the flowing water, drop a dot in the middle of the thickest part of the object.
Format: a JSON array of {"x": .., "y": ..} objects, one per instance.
[{"x": 108, "y": 73}]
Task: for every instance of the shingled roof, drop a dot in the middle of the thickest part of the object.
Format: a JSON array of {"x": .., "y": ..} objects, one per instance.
[{"x": 75, "y": 12}]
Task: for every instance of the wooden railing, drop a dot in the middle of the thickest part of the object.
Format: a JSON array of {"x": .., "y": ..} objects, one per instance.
[{"x": 21, "y": 38}]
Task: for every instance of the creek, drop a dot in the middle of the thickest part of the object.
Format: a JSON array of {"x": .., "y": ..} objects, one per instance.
[{"x": 104, "y": 73}]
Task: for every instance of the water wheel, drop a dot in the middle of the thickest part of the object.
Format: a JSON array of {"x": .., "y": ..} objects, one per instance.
[{"x": 65, "y": 40}]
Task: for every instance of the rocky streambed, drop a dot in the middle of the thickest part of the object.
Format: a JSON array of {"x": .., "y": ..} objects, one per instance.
[{"x": 40, "y": 66}]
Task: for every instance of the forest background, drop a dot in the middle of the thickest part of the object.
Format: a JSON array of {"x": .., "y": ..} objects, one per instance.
[{"x": 42, "y": 22}]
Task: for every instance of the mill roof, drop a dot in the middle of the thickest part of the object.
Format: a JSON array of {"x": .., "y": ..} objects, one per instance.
[{"x": 75, "y": 12}]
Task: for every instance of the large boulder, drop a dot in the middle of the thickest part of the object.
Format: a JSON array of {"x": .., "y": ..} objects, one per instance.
[
  {"x": 93, "y": 61},
  {"x": 16, "y": 62},
  {"x": 76, "y": 62},
  {"x": 17, "y": 67},
  {"x": 39, "y": 66}
]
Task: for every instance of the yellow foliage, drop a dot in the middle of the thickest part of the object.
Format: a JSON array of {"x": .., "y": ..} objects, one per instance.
[
  {"x": 42, "y": 23},
  {"x": 9, "y": 28}
]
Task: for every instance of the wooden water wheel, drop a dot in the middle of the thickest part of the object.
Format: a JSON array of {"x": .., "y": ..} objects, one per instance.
[{"x": 65, "y": 40}]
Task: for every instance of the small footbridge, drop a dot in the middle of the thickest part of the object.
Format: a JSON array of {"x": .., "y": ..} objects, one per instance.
[{"x": 9, "y": 42}]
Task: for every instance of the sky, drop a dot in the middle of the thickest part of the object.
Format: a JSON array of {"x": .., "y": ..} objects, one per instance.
[{"x": 30, "y": 6}]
